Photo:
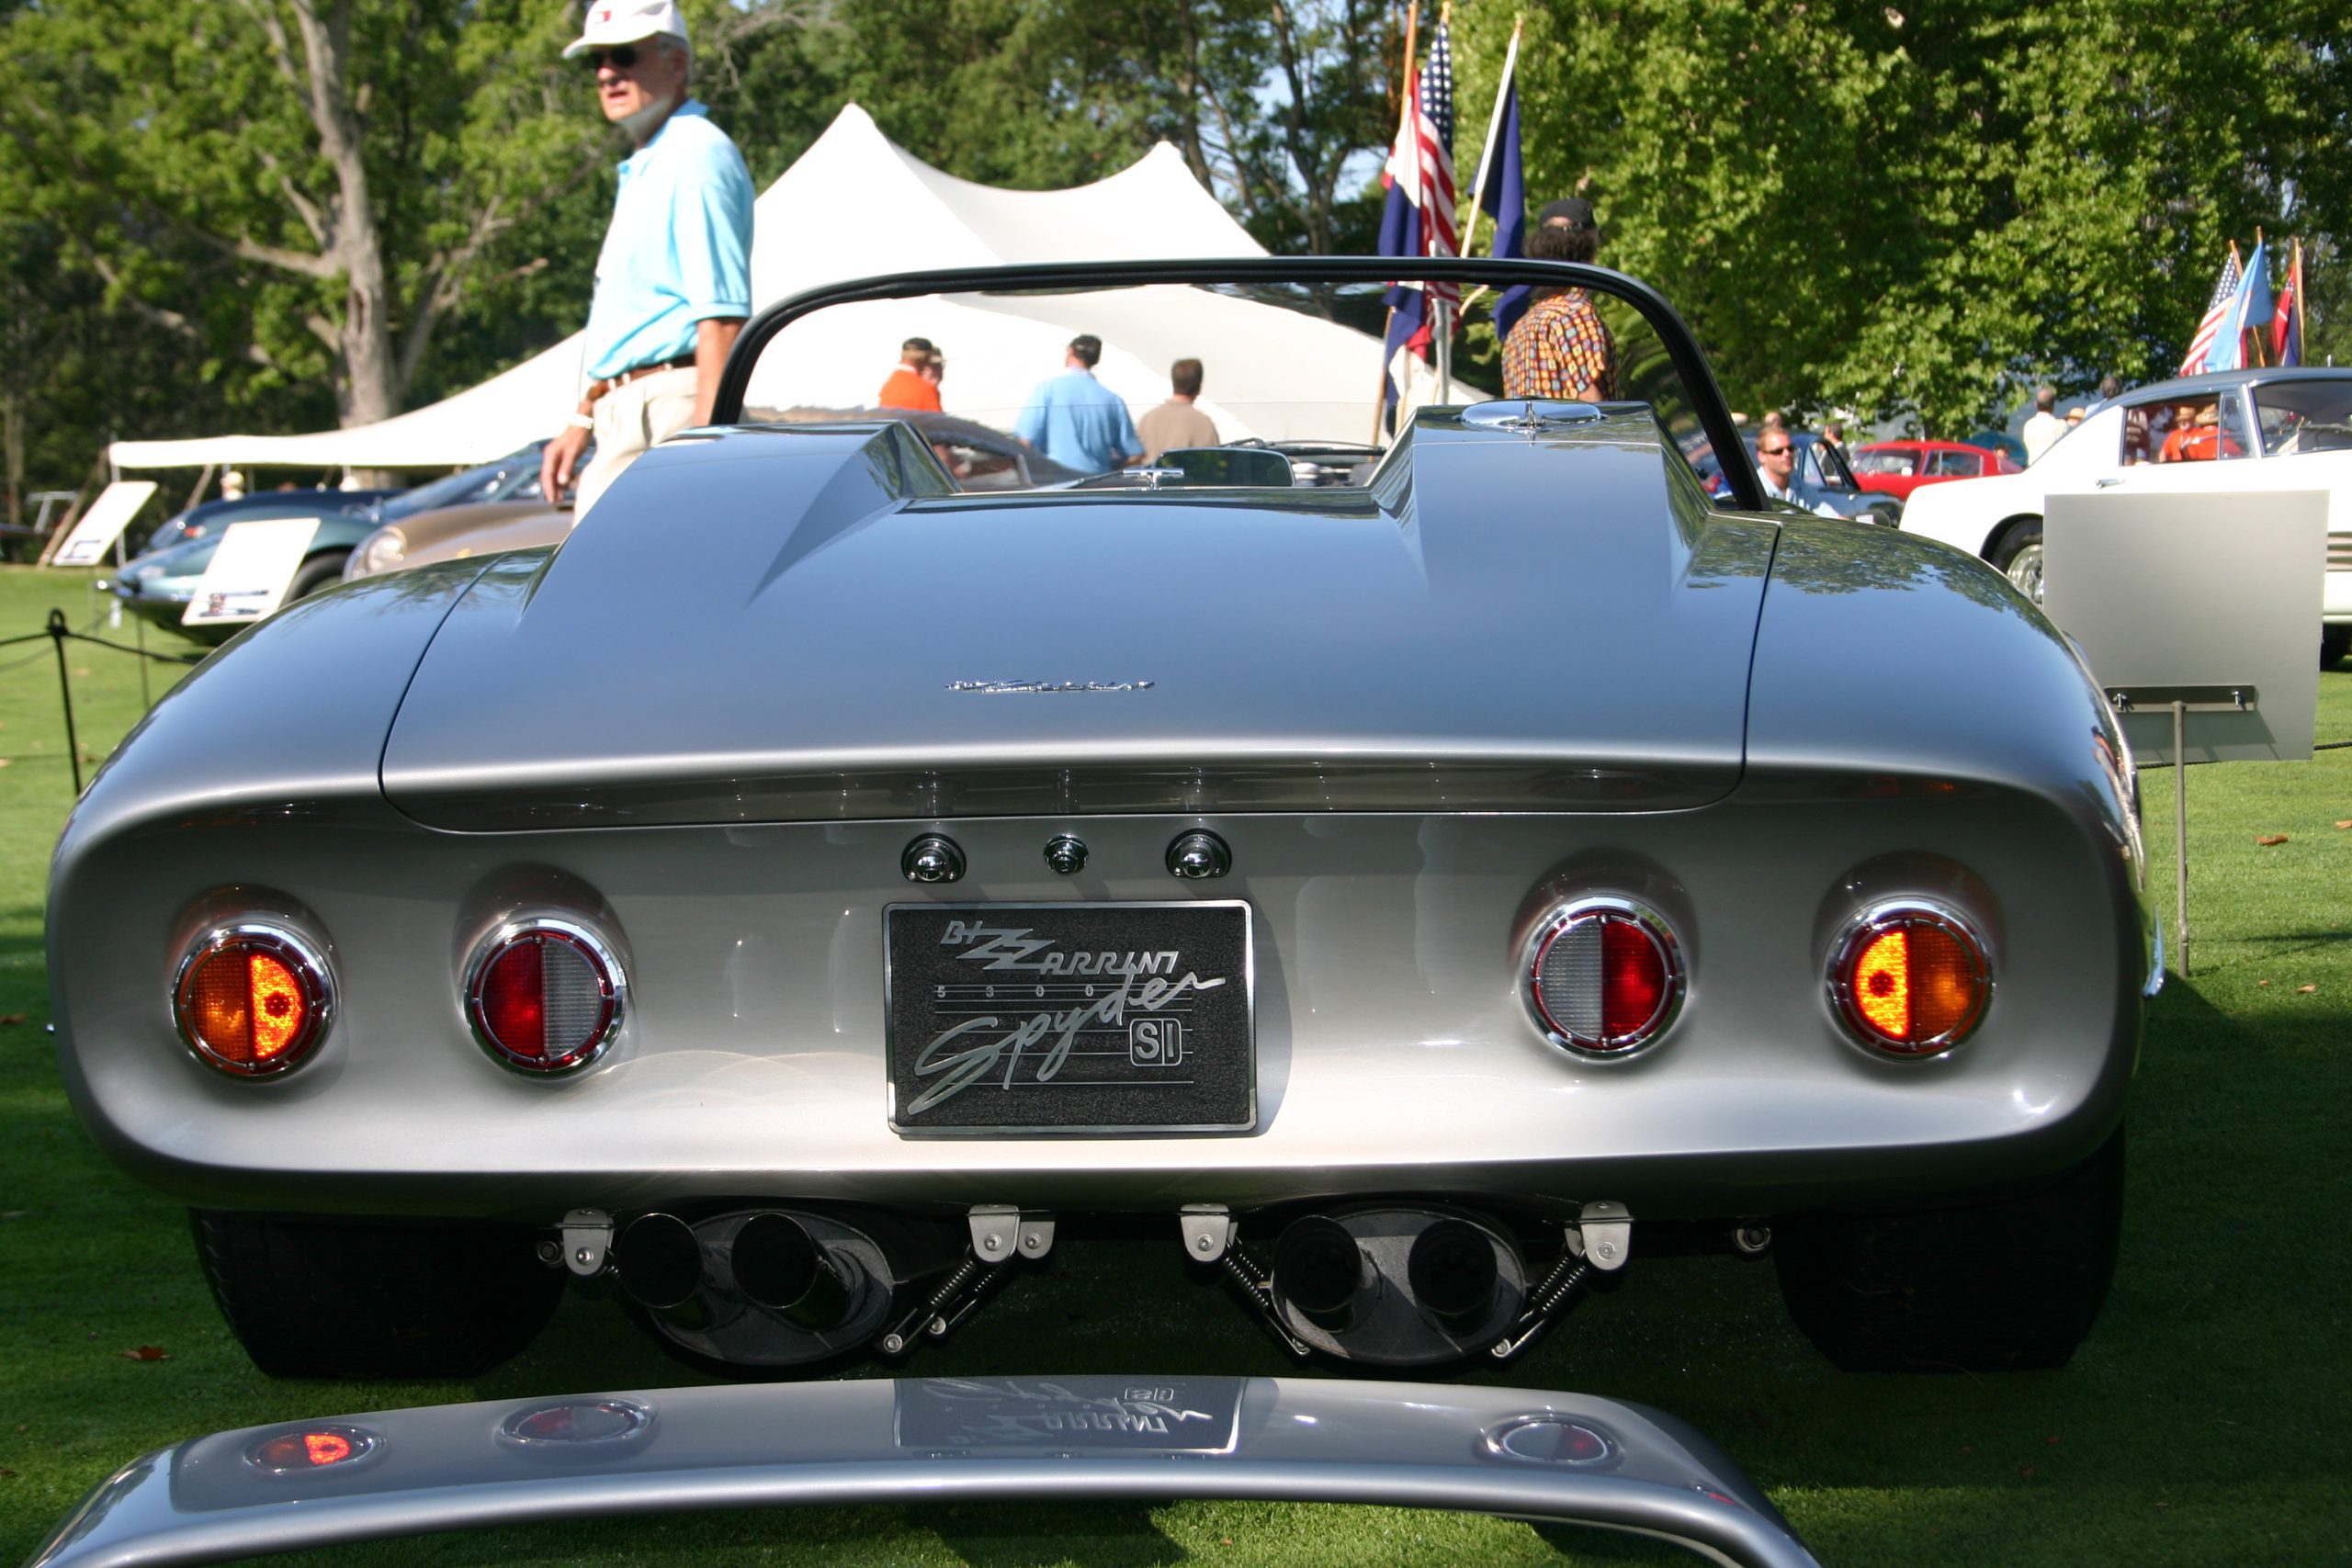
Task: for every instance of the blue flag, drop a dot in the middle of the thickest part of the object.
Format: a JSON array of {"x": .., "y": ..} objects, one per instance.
[
  {"x": 2253, "y": 295},
  {"x": 2249, "y": 309},
  {"x": 1401, "y": 235},
  {"x": 1504, "y": 199}
]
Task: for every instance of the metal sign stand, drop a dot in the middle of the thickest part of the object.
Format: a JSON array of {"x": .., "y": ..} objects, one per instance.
[{"x": 2180, "y": 699}]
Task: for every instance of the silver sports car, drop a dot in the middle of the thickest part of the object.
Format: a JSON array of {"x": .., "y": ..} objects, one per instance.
[{"x": 798, "y": 888}]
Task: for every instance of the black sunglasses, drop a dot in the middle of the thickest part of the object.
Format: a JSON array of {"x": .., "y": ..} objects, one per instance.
[
  {"x": 1773, "y": 451},
  {"x": 621, "y": 56}
]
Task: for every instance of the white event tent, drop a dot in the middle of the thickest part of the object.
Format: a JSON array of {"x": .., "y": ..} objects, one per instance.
[{"x": 857, "y": 205}]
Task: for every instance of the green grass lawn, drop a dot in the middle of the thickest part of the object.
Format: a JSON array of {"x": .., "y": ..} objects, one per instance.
[{"x": 2205, "y": 1422}]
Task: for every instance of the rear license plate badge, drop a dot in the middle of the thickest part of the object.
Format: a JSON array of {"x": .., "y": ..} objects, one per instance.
[{"x": 1070, "y": 1019}]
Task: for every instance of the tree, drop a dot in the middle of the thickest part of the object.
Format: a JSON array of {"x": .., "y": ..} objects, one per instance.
[
  {"x": 307, "y": 188},
  {"x": 1919, "y": 213}
]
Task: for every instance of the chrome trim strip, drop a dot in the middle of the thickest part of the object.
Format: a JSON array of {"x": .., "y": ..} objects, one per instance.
[
  {"x": 615, "y": 988},
  {"x": 291, "y": 948},
  {"x": 1078, "y": 1440}
]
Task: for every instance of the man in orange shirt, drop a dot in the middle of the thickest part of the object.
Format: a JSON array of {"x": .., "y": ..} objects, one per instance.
[{"x": 907, "y": 387}]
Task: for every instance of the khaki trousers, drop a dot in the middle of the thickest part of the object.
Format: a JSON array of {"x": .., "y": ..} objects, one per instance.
[{"x": 629, "y": 421}]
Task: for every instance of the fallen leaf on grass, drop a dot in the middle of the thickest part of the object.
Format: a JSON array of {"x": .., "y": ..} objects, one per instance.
[
  {"x": 2345, "y": 823},
  {"x": 8, "y": 1018},
  {"x": 144, "y": 1353},
  {"x": 2050, "y": 1440},
  {"x": 7, "y": 1475},
  {"x": 2262, "y": 981},
  {"x": 2266, "y": 840},
  {"x": 2306, "y": 990}
]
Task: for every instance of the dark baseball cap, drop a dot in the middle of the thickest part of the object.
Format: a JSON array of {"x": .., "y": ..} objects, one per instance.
[{"x": 1573, "y": 209}]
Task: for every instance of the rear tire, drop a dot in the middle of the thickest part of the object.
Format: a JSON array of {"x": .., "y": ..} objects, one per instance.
[
  {"x": 2018, "y": 557},
  {"x": 2335, "y": 642},
  {"x": 316, "y": 1297},
  {"x": 2007, "y": 1286}
]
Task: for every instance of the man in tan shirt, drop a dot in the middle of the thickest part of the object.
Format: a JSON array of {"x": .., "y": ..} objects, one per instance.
[{"x": 1176, "y": 423}]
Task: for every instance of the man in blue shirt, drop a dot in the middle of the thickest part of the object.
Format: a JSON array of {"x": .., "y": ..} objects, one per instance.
[
  {"x": 673, "y": 281},
  {"x": 1077, "y": 421}
]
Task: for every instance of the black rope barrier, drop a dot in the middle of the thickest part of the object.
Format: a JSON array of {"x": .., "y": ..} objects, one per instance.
[{"x": 59, "y": 632}]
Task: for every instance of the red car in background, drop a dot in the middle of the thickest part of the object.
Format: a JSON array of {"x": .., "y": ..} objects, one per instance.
[{"x": 1899, "y": 468}]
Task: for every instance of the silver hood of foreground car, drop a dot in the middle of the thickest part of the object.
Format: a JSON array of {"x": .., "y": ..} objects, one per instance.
[
  {"x": 799, "y": 624},
  {"x": 1518, "y": 1452}
]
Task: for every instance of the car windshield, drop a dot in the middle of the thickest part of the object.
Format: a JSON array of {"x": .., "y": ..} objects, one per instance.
[
  {"x": 513, "y": 477},
  {"x": 1093, "y": 388},
  {"x": 2304, "y": 416},
  {"x": 1885, "y": 460}
]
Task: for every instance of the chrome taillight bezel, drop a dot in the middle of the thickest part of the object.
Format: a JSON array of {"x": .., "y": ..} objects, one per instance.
[
  {"x": 302, "y": 960},
  {"x": 612, "y": 982},
  {"x": 1582, "y": 910},
  {"x": 1886, "y": 915}
]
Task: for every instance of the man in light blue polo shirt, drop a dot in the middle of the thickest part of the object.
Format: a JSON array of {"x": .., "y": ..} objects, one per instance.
[
  {"x": 1077, "y": 421},
  {"x": 673, "y": 281}
]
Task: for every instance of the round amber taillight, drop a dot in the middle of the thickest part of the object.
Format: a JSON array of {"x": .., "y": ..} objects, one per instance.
[
  {"x": 544, "y": 995},
  {"x": 1602, "y": 977},
  {"x": 252, "y": 1001},
  {"x": 1910, "y": 979},
  {"x": 301, "y": 1451}
]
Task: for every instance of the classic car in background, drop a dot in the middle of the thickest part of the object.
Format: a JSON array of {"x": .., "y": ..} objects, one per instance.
[
  {"x": 2227, "y": 430},
  {"x": 1821, "y": 480},
  {"x": 979, "y": 457},
  {"x": 157, "y": 586},
  {"x": 1899, "y": 468},
  {"x": 793, "y": 891},
  {"x": 208, "y": 519}
]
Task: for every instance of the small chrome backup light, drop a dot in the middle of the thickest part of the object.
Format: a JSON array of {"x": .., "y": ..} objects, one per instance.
[
  {"x": 577, "y": 1423},
  {"x": 1549, "y": 1439},
  {"x": 1602, "y": 977},
  {"x": 544, "y": 995},
  {"x": 1909, "y": 977},
  {"x": 252, "y": 999}
]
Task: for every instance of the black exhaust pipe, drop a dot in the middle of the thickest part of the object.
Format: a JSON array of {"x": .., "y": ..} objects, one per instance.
[
  {"x": 660, "y": 1259},
  {"x": 1453, "y": 1273},
  {"x": 1318, "y": 1269},
  {"x": 780, "y": 1268}
]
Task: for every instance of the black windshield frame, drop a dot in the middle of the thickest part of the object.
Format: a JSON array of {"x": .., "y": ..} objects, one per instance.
[{"x": 1682, "y": 349}]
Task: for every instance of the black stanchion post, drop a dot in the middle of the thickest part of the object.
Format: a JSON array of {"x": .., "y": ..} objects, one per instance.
[{"x": 58, "y": 633}]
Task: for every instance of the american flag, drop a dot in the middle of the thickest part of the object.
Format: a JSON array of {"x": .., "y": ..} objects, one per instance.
[
  {"x": 1422, "y": 163},
  {"x": 2225, "y": 294}
]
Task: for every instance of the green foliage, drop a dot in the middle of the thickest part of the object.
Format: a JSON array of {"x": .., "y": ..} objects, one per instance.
[{"x": 1915, "y": 213}]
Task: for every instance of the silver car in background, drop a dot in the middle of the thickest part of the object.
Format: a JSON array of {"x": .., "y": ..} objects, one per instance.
[{"x": 798, "y": 888}]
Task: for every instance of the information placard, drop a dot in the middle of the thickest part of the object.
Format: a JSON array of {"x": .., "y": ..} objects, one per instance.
[
  {"x": 104, "y": 523},
  {"x": 250, "y": 571},
  {"x": 2195, "y": 598}
]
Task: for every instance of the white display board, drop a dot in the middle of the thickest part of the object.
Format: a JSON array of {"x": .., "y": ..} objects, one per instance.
[
  {"x": 2200, "y": 596},
  {"x": 250, "y": 571},
  {"x": 104, "y": 523}
]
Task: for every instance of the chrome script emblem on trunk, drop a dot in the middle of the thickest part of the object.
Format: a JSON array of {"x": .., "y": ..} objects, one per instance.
[{"x": 995, "y": 688}]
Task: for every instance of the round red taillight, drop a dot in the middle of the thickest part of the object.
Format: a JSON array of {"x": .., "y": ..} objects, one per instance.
[
  {"x": 544, "y": 995},
  {"x": 1909, "y": 978},
  {"x": 1603, "y": 976},
  {"x": 252, "y": 1001},
  {"x": 311, "y": 1447}
]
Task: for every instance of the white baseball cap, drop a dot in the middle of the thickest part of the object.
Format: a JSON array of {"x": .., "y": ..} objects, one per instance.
[{"x": 628, "y": 21}]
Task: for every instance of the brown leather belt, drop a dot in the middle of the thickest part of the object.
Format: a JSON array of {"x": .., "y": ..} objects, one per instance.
[{"x": 637, "y": 373}]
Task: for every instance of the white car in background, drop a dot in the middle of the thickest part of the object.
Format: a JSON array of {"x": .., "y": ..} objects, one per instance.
[{"x": 2259, "y": 420}]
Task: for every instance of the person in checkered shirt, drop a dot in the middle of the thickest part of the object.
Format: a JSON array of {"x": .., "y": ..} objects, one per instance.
[{"x": 1561, "y": 348}]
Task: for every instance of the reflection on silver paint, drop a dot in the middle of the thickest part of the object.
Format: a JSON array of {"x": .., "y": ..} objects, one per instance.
[{"x": 1516, "y": 1452}]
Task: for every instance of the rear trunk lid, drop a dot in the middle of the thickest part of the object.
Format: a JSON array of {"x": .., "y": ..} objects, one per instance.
[{"x": 797, "y": 625}]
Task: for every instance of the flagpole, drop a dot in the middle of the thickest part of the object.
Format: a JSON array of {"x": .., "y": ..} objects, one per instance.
[
  {"x": 2303, "y": 338},
  {"x": 2264, "y": 331},
  {"x": 1494, "y": 129},
  {"x": 1407, "y": 104}
]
